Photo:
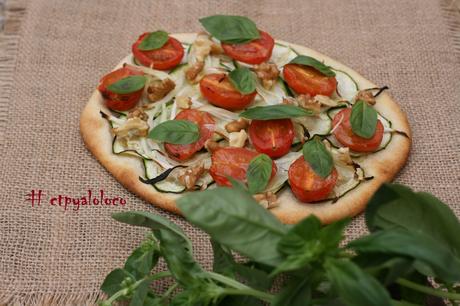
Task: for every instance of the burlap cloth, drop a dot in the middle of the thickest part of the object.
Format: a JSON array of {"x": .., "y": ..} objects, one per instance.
[{"x": 52, "y": 256}]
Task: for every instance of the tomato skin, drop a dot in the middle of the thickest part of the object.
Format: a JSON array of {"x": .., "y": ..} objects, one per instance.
[
  {"x": 253, "y": 52},
  {"x": 233, "y": 162},
  {"x": 165, "y": 58},
  {"x": 307, "y": 80},
  {"x": 272, "y": 137},
  {"x": 218, "y": 90},
  {"x": 306, "y": 185},
  {"x": 119, "y": 102},
  {"x": 344, "y": 133},
  {"x": 206, "y": 125}
]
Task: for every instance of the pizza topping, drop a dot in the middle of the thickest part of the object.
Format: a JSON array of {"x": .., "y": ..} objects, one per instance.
[
  {"x": 237, "y": 125},
  {"x": 243, "y": 80},
  {"x": 153, "y": 41},
  {"x": 189, "y": 177},
  {"x": 363, "y": 119},
  {"x": 211, "y": 145},
  {"x": 237, "y": 139},
  {"x": 366, "y": 96},
  {"x": 192, "y": 73},
  {"x": 281, "y": 111},
  {"x": 201, "y": 48},
  {"x": 176, "y": 132},
  {"x": 166, "y": 57},
  {"x": 158, "y": 89},
  {"x": 138, "y": 112},
  {"x": 304, "y": 79},
  {"x": 133, "y": 127},
  {"x": 267, "y": 199},
  {"x": 183, "y": 102},
  {"x": 272, "y": 137},
  {"x": 267, "y": 73},
  {"x": 254, "y": 52},
  {"x": 259, "y": 173},
  {"x": 231, "y": 29}
]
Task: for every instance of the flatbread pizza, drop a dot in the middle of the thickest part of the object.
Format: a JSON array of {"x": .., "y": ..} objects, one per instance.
[{"x": 189, "y": 112}]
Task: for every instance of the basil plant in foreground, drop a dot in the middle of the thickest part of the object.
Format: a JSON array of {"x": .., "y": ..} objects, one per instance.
[{"x": 414, "y": 237}]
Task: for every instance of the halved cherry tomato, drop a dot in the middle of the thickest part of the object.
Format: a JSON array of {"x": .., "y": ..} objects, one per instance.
[
  {"x": 272, "y": 137},
  {"x": 119, "y": 102},
  {"x": 344, "y": 134},
  {"x": 233, "y": 162},
  {"x": 253, "y": 52},
  {"x": 218, "y": 90},
  {"x": 164, "y": 58},
  {"x": 308, "y": 186},
  {"x": 206, "y": 124},
  {"x": 308, "y": 80}
]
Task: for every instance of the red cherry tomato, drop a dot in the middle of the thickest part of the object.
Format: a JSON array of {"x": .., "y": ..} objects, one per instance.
[
  {"x": 233, "y": 162},
  {"x": 206, "y": 124},
  {"x": 164, "y": 58},
  {"x": 344, "y": 134},
  {"x": 308, "y": 80},
  {"x": 218, "y": 90},
  {"x": 253, "y": 52},
  {"x": 272, "y": 137},
  {"x": 308, "y": 186},
  {"x": 119, "y": 102}
]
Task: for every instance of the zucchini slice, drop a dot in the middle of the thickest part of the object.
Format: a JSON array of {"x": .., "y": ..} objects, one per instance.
[{"x": 347, "y": 88}]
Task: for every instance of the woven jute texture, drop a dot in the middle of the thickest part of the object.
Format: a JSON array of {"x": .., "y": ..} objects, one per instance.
[{"x": 52, "y": 256}]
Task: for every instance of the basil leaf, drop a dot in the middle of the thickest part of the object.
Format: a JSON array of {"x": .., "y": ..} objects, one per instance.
[
  {"x": 112, "y": 282},
  {"x": 312, "y": 62},
  {"x": 231, "y": 29},
  {"x": 153, "y": 41},
  {"x": 395, "y": 205},
  {"x": 319, "y": 158},
  {"x": 433, "y": 258},
  {"x": 223, "y": 262},
  {"x": 354, "y": 286},
  {"x": 128, "y": 85},
  {"x": 243, "y": 80},
  {"x": 259, "y": 173},
  {"x": 176, "y": 132},
  {"x": 142, "y": 260},
  {"x": 233, "y": 218},
  {"x": 297, "y": 292},
  {"x": 281, "y": 111},
  {"x": 363, "y": 119},
  {"x": 140, "y": 294}
]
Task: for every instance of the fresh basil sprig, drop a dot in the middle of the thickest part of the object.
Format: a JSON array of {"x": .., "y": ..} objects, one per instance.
[
  {"x": 231, "y": 29},
  {"x": 312, "y": 62},
  {"x": 128, "y": 84},
  {"x": 176, "y": 132},
  {"x": 153, "y": 41},
  {"x": 281, "y": 111},
  {"x": 259, "y": 173},
  {"x": 243, "y": 80},
  {"x": 414, "y": 236},
  {"x": 363, "y": 119},
  {"x": 319, "y": 158}
]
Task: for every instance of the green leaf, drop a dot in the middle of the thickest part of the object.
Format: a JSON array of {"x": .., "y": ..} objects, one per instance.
[
  {"x": 395, "y": 205},
  {"x": 112, "y": 282},
  {"x": 312, "y": 62},
  {"x": 140, "y": 294},
  {"x": 223, "y": 262},
  {"x": 233, "y": 218},
  {"x": 433, "y": 258},
  {"x": 281, "y": 111},
  {"x": 319, "y": 158},
  {"x": 128, "y": 84},
  {"x": 231, "y": 29},
  {"x": 243, "y": 80},
  {"x": 259, "y": 173},
  {"x": 295, "y": 293},
  {"x": 141, "y": 261},
  {"x": 354, "y": 286},
  {"x": 178, "y": 256},
  {"x": 154, "y": 222},
  {"x": 154, "y": 40},
  {"x": 176, "y": 132},
  {"x": 363, "y": 119},
  {"x": 306, "y": 230}
]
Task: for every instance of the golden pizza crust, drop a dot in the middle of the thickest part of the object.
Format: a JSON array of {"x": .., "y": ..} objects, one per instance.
[{"x": 382, "y": 165}]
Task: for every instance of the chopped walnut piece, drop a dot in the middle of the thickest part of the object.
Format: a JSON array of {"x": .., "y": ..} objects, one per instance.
[
  {"x": 237, "y": 139},
  {"x": 192, "y": 72},
  {"x": 138, "y": 113},
  {"x": 211, "y": 145},
  {"x": 157, "y": 89},
  {"x": 133, "y": 127},
  {"x": 366, "y": 96},
  {"x": 191, "y": 174},
  {"x": 325, "y": 100},
  {"x": 267, "y": 200},
  {"x": 307, "y": 102},
  {"x": 237, "y": 125},
  {"x": 183, "y": 102},
  {"x": 290, "y": 101},
  {"x": 340, "y": 155},
  {"x": 267, "y": 73},
  {"x": 216, "y": 49}
]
